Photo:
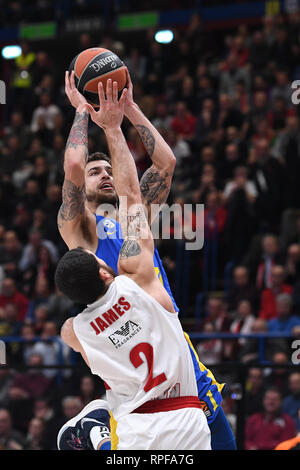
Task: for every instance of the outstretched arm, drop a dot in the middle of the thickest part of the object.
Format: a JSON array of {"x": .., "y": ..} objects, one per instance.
[
  {"x": 72, "y": 211},
  {"x": 136, "y": 254},
  {"x": 156, "y": 182}
]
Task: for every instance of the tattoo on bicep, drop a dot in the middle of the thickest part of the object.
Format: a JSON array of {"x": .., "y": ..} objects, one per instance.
[
  {"x": 73, "y": 202},
  {"x": 154, "y": 186},
  {"x": 78, "y": 135},
  {"x": 130, "y": 248},
  {"x": 147, "y": 138}
]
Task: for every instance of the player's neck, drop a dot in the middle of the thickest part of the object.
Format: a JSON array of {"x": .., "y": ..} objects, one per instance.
[{"x": 106, "y": 211}]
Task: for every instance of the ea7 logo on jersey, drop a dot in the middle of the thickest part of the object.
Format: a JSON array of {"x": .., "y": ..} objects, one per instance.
[{"x": 124, "y": 334}]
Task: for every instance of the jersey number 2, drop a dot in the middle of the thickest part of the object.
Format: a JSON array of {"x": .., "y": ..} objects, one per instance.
[{"x": 136, "y": 360}]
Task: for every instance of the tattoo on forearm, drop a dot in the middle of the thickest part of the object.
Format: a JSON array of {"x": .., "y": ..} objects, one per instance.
[
  {"x": 147, "y": 138},
  {"x": 154, "y": 186},
  {"x": 73, "y": 202},
  {"x": 130, "y": 248},
  {"x": 133, "y": 224},
  {"x": 78, "y": 134}
]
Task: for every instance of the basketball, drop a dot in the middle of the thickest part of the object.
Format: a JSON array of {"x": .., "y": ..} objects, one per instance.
[{"x": 95, "y": 65}]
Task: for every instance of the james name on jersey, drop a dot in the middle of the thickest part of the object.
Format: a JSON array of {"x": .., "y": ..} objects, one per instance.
[{"x": 107, "y": 318}]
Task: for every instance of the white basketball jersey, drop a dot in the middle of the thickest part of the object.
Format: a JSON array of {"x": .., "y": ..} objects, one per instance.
[{"x": 136, "y": 346}]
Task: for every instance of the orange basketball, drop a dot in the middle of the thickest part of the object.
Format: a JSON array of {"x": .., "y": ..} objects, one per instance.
[{"x": 96, "y": 65}]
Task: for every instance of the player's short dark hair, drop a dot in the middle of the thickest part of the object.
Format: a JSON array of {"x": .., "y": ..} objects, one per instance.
[
  {"x": 77, "y": 277},
  {"x": 97, "y": 156}
]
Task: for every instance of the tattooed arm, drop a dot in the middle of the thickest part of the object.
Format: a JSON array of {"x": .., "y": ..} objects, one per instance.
[
  {"x": 136, "y": 254},
  {"x": 72, "y": 211},
  {"x": 156, "y": 182}
]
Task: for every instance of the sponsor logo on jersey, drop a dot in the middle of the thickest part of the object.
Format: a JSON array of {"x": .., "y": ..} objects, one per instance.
[
  {"x": 113, "y": 314},
  {"x": 124, "y": 334},
  {"x": 110, "y": 226}
]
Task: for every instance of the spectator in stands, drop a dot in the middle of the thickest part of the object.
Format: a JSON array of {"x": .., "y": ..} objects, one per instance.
[
  {"x": 268, "y": 307},
  {"x": 50, "y": 348},
  {"x": 162, "y": 118},
  {"x": 263, "y": 254},
  {"x": 11, "y": 251},
  {"x": 278, "y": 376},
  {"x": 285, "y": 321},
  {"x": 31, "y": 250},
  {"x": 282, "y": 87},
  {"x": 179, "y": 146},
  {"x": 239, "y": 196},
  {"x": 214, "y": 215},
  {"x": 210, "y": 350},
  {"x": 228, "y": 115},
  {"x": 232, "y": 75},
  {"x": 27, "y": 335},
  {"x": 267, "y": 174},
  {"x": 60, "y": 308},
  {"x": 244, "y": 319},
  {"x": 264, "y": 431},
  {"x": 6, "y": 379},
  {"x": 184, "y": 122},
  {"x": 40, "y": 317},
  {"x": 292, "y": 265},
  {"x": 216, "y": 314},
  {"x": 31, "y": 198},
  {"x": 32, "y": 384},
  {"x": 242, "y": 289},
  {"x": 291, "y": 403},
  {"x": 88, "y": 390},
  {"x": 232, "y": 160},
  {"x": 47, "y": 110},
  {"x": 11, "y": 295},
  {"x": 251, "y": 352},
  {"x": 35, "y": 436},
  {"x": 10, "y": 439},
  {"x": 18, "y": 128},
  {"x": 255, "y": 390}
]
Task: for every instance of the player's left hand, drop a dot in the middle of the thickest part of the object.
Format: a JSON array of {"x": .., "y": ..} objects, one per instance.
[
  {"x": 75, "y": 97},
  {"x": 111, "y": 111},
  {"x": 129, "y": 97}
]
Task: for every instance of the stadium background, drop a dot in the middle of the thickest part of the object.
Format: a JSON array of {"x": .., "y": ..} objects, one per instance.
[{"x": 220, "y": 94}]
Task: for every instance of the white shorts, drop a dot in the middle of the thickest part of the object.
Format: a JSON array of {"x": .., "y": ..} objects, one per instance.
[{"x": 183, "y": 429}]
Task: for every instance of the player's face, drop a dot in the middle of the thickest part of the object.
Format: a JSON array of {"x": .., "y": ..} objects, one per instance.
[{"x": 99, "y": 185}]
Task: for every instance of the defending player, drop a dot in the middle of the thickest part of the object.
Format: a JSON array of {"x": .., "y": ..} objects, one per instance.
[
  {"x": 153, "y": 361},
  {"x": 89, "y": 184}
]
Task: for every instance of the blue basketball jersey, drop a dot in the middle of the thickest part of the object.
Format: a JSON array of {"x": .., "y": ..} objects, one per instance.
[{"x": 109, "y": 245}]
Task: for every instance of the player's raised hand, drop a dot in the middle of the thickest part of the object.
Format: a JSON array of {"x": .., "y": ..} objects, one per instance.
[
  {"x": 111, "y": 111},
  {"x": 129, "y": 97},
  {"x": 75, "y": 97}
]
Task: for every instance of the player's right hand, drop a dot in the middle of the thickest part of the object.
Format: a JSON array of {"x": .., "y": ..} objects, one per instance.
[
  {"x": 75, "y": 97},
  {"x": 111, "y": 110}
]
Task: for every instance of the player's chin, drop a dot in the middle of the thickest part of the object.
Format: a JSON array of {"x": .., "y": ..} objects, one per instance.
[{"x": 107, "y": 196}]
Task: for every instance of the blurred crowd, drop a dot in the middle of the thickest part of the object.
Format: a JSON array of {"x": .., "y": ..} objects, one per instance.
[{"x": 226, "y": 111}]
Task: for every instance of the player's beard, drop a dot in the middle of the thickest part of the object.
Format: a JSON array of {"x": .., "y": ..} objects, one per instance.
[
  {"x": 109, "y": 270},
  {"x": 99, "y": 197}
]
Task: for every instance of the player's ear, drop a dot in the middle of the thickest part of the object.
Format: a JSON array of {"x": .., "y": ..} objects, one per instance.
[{"x": 104, "y": 275}]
